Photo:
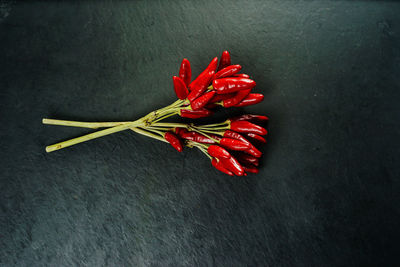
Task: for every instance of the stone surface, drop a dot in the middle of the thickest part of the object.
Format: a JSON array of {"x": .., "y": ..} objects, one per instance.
[{"x": 328, "y": 190}]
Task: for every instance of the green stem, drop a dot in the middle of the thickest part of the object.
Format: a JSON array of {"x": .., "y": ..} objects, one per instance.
[{"x": 146, "y": 133}]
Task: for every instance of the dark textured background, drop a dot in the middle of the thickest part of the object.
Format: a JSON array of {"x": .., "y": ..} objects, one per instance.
[{"x": 328, "y": 190}]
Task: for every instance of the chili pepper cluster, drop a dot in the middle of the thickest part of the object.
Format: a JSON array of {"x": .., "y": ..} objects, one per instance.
[
  {"x": 226, "y": 144},
  {"x": 230, "y": 145},
  {"x": 222, "y": 85}
]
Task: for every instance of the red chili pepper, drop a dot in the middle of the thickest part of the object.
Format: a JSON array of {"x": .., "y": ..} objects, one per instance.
[
  {"x": 185, "y": 71},
  {"x": 236, "y": 99},
  {"x": 218, "y": 152},
  {"x": 234, "y": 144},
  {"x": 200, "y": 79},
  {"x": 194, "y": 136},
  {"x": 181, "y": 90},
  {"x": 219, "y": 166},
  {"x": 218, "y": 98},
  {"x": 244, "y": 158},
  {"x": 252, "y": 150},
  {"x": 213, "y": 65},
  {"x": 225, "y": 60},
  {"x": 174, "y": 141},
  {"x": 250, "y": 169},
  {"x": 195, "y": 114},
  {"x": 242, "y": 75},
  {"x": 247, "y": 127},
  {"x": 227, "y": 71},
  {"x": 233, "y": 165},
  {"x": 257, "y": 137},
  {"x": 235, "y": 135},
  {"x": 201, "y": 101},
  {"x": 250, "y": 117},
  {"x": 232, "y": 84},
  {"x": 251, "y": 99},
  {"x": 199, "y": 85}
]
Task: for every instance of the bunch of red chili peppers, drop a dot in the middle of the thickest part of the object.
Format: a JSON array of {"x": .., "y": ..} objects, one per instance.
[{"x": 226, "y": 144}]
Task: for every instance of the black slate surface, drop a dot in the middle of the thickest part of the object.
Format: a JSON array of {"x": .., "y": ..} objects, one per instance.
[{"x": 328, "y": 190}]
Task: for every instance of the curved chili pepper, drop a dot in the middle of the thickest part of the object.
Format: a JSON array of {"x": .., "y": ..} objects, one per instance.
[
  {"x": 185, "y": 71},
  {"x": 235, "y": 135},
  {"x": 250, "y": 169},
  {"x": 227, "y": 71},
  {"x": 195, "y": 114},
  {"x": 225, "y": 60},
  {"x": 247, "y": 127},
  {"x": 242, "y": 75},
  {"x": 232, "y": 84},
  {"x": 181, "y": 90},
  {"x": 257, "y": 137},
  {"x": 251, "y": 99},
  {"x": 219, "y": 166},
  {"x": 234, "y": 144},
  {"x": 213, "y": 65},
  {"x": 218, "y": 152},
  {"x": 252, "y": 150},
  {"x": 174, "y": 141},
  {"x": 233, "y": 165},
  {"x": 201, "y": 101},
  {"x": 231, "y": 102},
  {"x": 199, "y": 85},
  {"x": 244, "y": 158},
  {"x": 250, "y": 117}
]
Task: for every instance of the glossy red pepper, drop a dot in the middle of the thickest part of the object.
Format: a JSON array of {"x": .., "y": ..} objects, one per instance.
[
  {"x": 235, "y": 135},
  {"x": 232, "y": 84},
  {"x": 218, "y": 152},
  {"x": 257, "y": 137},
  {"x": 225, "y": 60},
  {"x": 181, "y": 90},
  {"x": 195, "y": 114},
  {"x": 251, "y": 99},
  {"x": 250, "y": 117},
  {"x": 250, "y": 169},
  {"x": 233, "y": 165},
  {"x": 234, "y": 144},
  {"x": 242, "y": 75},
  {"x": 247, "y": 127},
  {"x": 252, "y": 150},
  {"x": 201, "y": 101},
  {"x": 194, "y": 136},
  {"x": 198, "y": 86},
  {"x": 200, "y": 79},
  {"x": 174, "y": 141},
  {"x": 213, "y": 65},
  {"x": 227, "y": 71},
  {"x": 239, "y": 96},
  {"x": 219, "y": 166},
  {"x": 185, "y": 71},
  {"x": 247, "y": 159}
]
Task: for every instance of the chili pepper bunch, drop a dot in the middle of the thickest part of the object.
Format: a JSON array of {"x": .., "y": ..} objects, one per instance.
[{"x": 227, "y": 144}]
